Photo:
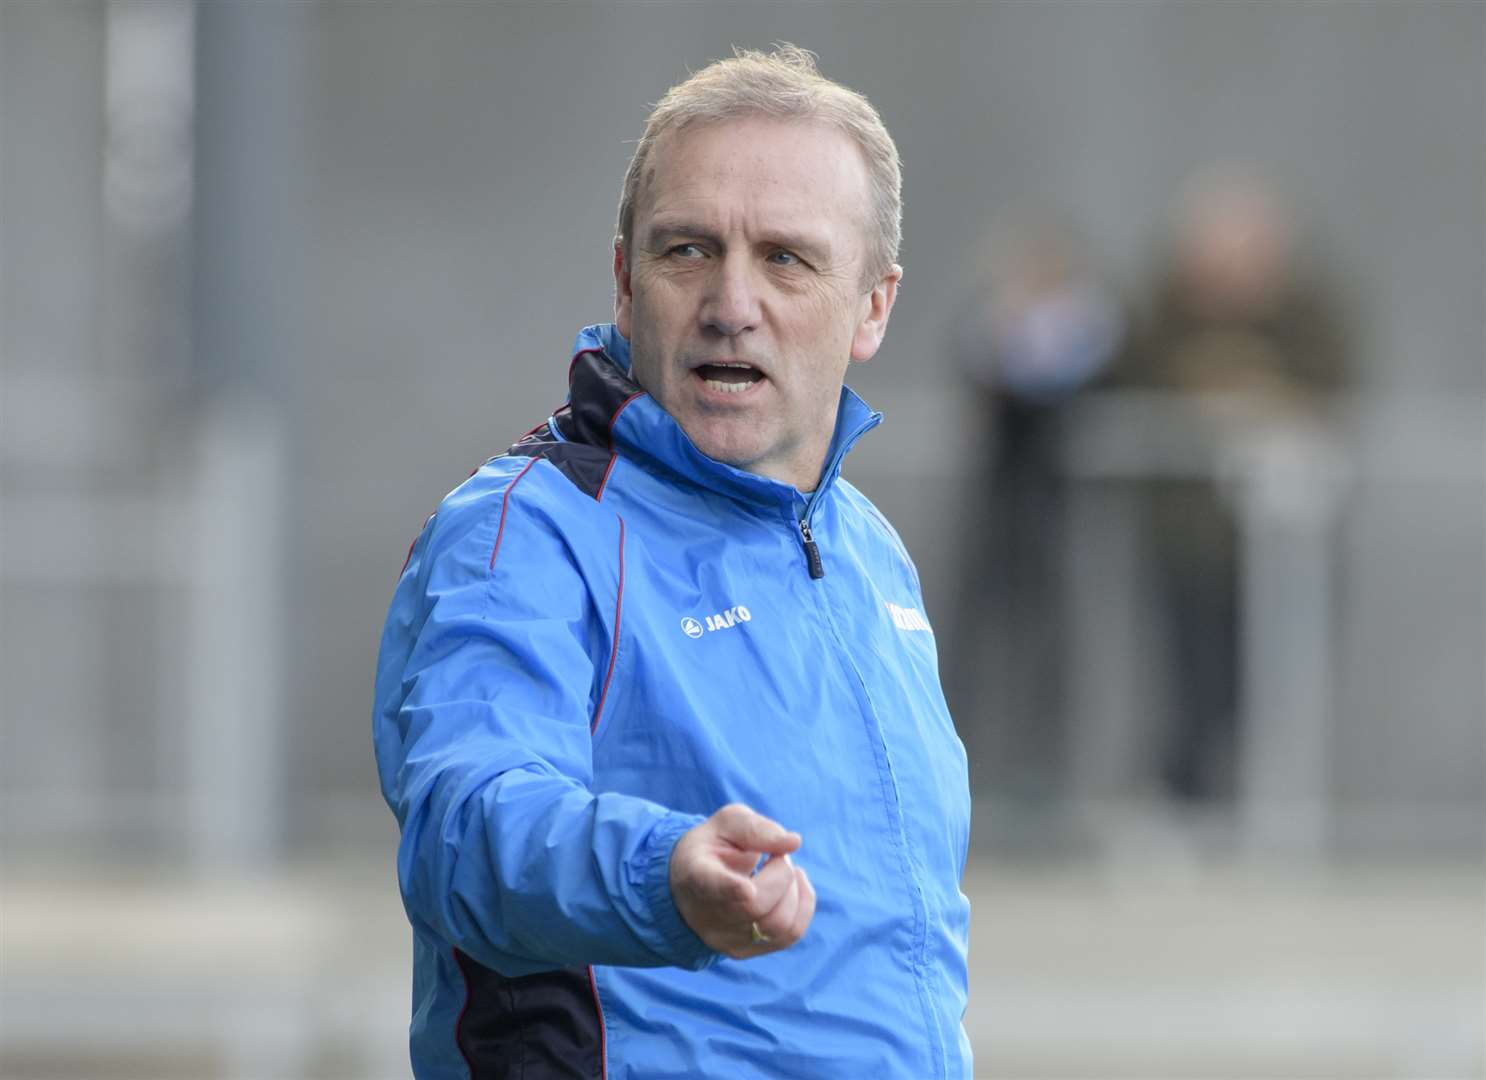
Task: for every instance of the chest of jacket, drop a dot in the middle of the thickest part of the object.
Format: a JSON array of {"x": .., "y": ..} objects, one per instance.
[{"x": 739, "y": 677}]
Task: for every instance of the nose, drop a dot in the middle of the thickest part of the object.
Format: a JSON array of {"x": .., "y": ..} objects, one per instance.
[{"x": 731, "y": 304}]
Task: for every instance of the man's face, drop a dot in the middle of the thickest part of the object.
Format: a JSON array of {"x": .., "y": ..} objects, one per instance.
[{"x": 742, "y": 295}]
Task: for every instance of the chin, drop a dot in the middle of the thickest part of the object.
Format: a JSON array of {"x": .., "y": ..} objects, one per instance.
[
  {"x": 730, "y": 453},
  {"x": 739, "y": 449}
]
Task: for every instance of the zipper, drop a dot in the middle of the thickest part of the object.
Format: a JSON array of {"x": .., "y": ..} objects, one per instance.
[
  {"x": 812, "y": 551},
  {"x": 833, "y": 466}
]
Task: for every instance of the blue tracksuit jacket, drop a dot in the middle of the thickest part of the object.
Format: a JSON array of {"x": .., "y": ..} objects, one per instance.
[{"x": 599, "y": 639}]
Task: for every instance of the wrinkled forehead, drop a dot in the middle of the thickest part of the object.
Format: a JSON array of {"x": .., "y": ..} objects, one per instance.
[{"x": 808, "y": 163}]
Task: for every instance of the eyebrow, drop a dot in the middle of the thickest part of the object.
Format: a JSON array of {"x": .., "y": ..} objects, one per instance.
[
  {"x": 818, "y": 249},
  {"x": 667, "y": 230}
]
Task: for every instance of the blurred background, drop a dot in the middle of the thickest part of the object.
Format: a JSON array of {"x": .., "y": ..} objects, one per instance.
[{"x": 1195, "y": 305}]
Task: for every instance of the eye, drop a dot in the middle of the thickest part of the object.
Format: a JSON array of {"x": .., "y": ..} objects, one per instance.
[
  {"x": 785, "y": 258},
  {"x": 687, "y": 251}
]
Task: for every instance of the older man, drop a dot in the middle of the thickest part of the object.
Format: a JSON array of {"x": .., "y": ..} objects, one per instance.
[{"x": 628, "y": 656}]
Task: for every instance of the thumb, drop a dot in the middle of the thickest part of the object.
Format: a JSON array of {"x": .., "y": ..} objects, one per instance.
[{"x": 745, "y": 828}]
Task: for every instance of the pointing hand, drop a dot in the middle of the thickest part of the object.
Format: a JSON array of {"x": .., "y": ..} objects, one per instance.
[{"x": 730, "y": 907}]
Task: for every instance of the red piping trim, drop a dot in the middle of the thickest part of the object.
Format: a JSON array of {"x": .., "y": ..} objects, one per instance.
[
  {"x": 409, "y": 557},
  {"x": 578, "y": 356},
  {"x": 505, "y": 499},
  {"x": 599, "y": 497},
  {"x": 614, "y": 652},
  {"x": 528, "y": 435},
  {"x": 615, "y": 418},
  {"x": 459, "y": 1023},
  {"x": 598, "y": 1007},
  {"x": 614, "y": 455}
]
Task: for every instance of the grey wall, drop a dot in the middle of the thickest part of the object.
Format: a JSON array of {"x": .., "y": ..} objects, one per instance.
[{"x": 404, "y": 211}]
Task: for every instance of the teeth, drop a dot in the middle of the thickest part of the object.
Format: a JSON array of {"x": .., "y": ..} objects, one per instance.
[{"x": 727, "y": 387}]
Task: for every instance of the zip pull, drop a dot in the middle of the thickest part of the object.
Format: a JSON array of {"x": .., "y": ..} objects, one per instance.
[{"x": 812, "y": 552}]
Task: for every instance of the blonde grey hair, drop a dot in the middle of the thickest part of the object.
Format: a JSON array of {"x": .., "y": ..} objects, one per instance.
[{"x": 786, "y": 84}]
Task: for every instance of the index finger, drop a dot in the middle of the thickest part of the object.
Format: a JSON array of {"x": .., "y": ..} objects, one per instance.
[{"x": 746, "y": 828}]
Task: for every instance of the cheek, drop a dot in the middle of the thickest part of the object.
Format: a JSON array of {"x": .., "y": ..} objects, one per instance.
[
  {"x": 832, "y": 323},
  {"x": 819, "y": 314},
  {"x": 653, "y": 337},
  {"x": 659, "y": 304}
]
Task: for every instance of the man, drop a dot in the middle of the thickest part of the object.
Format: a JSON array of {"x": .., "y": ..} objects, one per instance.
[
  {"x": 625, "y": 655},
  {"x": 1245, "y": 330}
]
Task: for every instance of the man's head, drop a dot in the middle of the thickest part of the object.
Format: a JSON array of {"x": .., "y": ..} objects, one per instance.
[
  {"x": 786, "y": 85},
  {"x": 755, "y": 257}
]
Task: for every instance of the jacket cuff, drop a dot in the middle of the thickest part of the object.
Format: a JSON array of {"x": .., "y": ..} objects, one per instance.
[{"x": 679, "y": 944}]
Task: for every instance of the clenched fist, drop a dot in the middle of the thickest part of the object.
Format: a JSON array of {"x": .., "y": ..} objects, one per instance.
[{"x": 732, "y": 909}]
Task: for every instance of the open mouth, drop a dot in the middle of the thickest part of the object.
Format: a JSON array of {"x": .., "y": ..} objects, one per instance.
[{"x": 729, "y": 377}]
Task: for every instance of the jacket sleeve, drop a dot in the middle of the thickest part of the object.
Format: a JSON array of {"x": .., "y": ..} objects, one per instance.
[{"x": 487, "y": 683}]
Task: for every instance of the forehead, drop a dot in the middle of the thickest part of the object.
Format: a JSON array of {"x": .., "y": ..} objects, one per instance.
[{"x": 763, "y": 169}]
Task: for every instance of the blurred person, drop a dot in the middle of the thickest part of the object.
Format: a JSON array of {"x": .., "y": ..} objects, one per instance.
[
  {"x": 1241, "y": 326},
  {"x": 1043, "y": 327},
  {"x": 629, "y": 655}
]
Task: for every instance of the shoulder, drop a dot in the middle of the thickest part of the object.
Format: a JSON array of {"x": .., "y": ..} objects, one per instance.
[
  {"x": 874, "y": 521},
  {"x": 515, "y": 507},
  {"x": 873, "y": 525}
]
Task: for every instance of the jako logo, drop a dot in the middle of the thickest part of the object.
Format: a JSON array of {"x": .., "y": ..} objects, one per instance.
[
  {"x": 908, "y": 618},
  {"x": 721, "y": 621}
]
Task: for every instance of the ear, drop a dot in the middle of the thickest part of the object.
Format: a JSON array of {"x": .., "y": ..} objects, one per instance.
[
  {"x": 623, "y": 297},
  {"x": 879, "y": 305}
]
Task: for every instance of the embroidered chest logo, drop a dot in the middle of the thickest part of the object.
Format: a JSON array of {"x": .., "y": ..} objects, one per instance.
[
  {"x": 908, "y": 618},
  {"x": 723, "y": 620}
]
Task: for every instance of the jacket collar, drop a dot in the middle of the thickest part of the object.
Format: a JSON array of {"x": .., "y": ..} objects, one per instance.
[{"x": 609, "y": 409}]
